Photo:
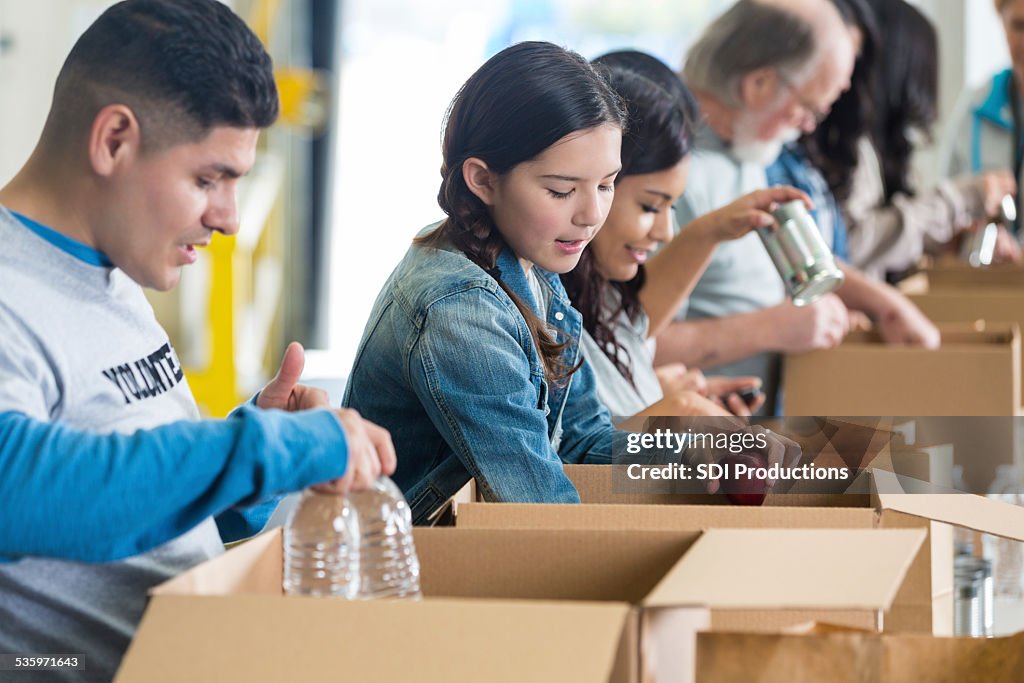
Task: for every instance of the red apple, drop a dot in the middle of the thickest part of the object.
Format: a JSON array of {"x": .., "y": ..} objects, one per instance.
[{"x": 747, "y": 489}]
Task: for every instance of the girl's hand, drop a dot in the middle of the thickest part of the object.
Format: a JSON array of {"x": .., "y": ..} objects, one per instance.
[{"x": 675, "y": 378}]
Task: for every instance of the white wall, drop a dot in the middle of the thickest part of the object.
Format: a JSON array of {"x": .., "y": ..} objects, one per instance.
[
  {"x": 972, "y": 47},
  {"x": 41, "y": 33},
  {"x": 985, "y": 43}
]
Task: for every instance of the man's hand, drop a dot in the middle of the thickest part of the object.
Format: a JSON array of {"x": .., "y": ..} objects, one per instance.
[
  {"x": 370, "y": 451},
  {"x": 821, "y": 325},
  {"x": 370, "y": 454},
  {"x": 284, "y": 391}
]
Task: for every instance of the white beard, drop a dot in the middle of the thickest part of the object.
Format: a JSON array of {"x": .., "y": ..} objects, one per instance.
[{"x": 761, "y": 152}]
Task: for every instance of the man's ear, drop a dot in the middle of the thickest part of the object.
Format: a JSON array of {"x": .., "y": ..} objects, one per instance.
[
  {"x": 114, "y": 139},
  {"x": 759, "y": 87},
  {"x": 479, "y": 179}
]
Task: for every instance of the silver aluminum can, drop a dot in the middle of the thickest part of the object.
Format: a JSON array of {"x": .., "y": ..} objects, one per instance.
[
  {"x": 800, "y": 254},
  {"x": 979, "y": 248},
  {"x": 972, "y": 596}
]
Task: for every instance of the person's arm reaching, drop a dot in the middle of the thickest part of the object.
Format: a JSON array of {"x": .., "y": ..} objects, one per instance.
[
  {"x": 785, "y": 328},
  {"x": 674, "y": 270},
  {"x": 283, "y": 392},
  {"x": 898, "y": 320},
  {"x": 77, "y": 495}
]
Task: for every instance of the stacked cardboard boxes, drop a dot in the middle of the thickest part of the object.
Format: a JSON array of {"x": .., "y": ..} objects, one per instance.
[{"x": 966, "y": 393}]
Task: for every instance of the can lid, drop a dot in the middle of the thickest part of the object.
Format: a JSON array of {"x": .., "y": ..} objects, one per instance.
[{"x": 818, "y": 285}]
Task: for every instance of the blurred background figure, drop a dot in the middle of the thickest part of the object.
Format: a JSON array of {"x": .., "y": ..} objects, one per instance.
[
  {"x": 797, "y": 59},
  {"x": 833, "y": 145},
  {"x": 891, "y": 223},
  {"x": 985, "y": 131}
]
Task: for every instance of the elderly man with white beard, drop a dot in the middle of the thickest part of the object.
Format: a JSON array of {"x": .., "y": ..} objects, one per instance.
[{"x": 763, "y": 73}]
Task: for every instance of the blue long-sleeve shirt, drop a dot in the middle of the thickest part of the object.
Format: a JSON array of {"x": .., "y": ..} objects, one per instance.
[{"x": 93, "y": 497}]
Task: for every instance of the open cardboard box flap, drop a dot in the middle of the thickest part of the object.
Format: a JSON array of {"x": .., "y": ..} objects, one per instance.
[
  {"x": 959, "y": 509},
  {"x": 253, "y": 567},
  {"x": 840, "y": 568},
  {"x": 952, "y": 275},
  {"x": 615, "y": 516},
  {"x": 544, "y": 564}
]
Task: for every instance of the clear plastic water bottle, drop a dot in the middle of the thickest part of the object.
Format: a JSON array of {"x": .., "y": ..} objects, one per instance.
[
  {"x": 321, "y": 547},
  {"x": 388, "y": 566},
  {"x": 1007, "y": 555}
]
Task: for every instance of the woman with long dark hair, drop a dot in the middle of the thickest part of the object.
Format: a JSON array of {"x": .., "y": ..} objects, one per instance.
[
  {"x": 471, "y": 355},
  {"x": 831, "y": 151},
  {"x": 832, "y": 147},
  {"x": 625, "y": 298},
  {"x": 891, "y": 223}
]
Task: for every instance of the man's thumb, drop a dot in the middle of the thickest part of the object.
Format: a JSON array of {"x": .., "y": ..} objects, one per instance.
[{"x": 290, "y": 371}]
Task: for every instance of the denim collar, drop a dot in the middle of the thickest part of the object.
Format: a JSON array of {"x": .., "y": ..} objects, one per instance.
[
  {"x": 792, "y": 159},
  {"x": 561, "y": 314},
  {"x": 508, "y": 268}
]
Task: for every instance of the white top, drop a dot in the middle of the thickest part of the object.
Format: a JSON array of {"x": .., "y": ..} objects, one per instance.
[{"x": 616, "y": 392}]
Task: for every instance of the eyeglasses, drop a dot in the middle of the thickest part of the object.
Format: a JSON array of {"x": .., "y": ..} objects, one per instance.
[{"x": 817, "y": 114}]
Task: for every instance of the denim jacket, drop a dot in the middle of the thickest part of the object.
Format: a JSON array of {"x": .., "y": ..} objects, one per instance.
[{"x": 448, "y": 366}]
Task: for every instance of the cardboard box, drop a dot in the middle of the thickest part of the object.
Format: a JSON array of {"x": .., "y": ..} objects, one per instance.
[
  {"x": 923, "y": 603},
  {"x": 715, "y": 570},
  {"x": 926, "y": 463},
  {"x": 953, "y": 274},
  {"x": 227, "y": 620},
  {"x": 966, "y": 393},
  {"x": 973, "y": 373},
  {"x": 989, "y": 305},
  {"x": 980, "y": 445},
  {"x": 847, "y": 656},
  {"x": 510, "y": 605}
]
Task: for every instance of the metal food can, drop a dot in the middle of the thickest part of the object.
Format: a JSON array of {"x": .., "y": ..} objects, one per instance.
[
  {"x": 800, "y": 254},
  {"x": 972, "y": 596},
  {"x": 979, "y": 247}
]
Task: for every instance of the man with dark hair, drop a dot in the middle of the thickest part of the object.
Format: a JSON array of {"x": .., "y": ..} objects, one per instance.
[
  {"x": 109, "y": 480},
  {"x": 155, "y": 57}
]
